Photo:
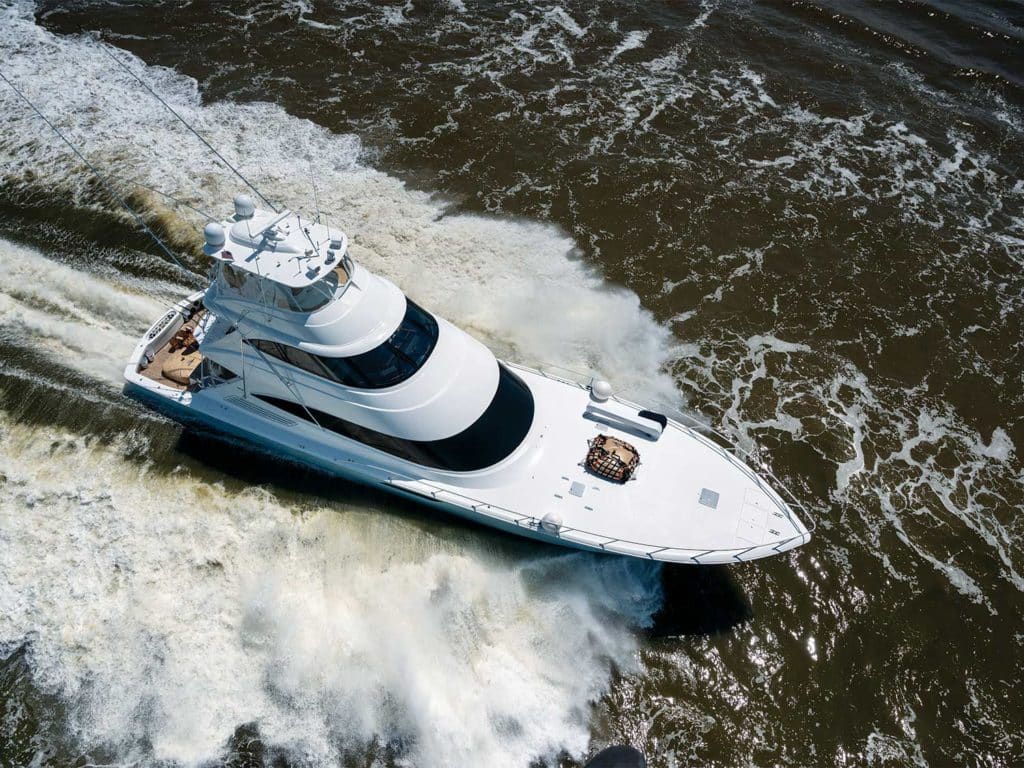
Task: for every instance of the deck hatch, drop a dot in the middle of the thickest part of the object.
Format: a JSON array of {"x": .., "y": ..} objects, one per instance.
[
  {"x": 577, "y": 489},
  {"x": 709, "y": 498}
]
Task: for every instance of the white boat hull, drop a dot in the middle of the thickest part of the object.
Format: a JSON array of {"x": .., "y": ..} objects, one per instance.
[{"x": 664, "y": 514}]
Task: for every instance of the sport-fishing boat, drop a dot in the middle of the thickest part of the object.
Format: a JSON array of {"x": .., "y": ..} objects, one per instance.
[{"x": 298, "y": 349}]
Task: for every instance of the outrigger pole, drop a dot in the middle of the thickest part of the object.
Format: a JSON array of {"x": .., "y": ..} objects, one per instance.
[
  {"x": 103, "y": 47},
  {"x": 99, "y": 176}
]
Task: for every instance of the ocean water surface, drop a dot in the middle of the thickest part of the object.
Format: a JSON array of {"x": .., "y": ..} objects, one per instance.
[{"x": 801, "y": 221}]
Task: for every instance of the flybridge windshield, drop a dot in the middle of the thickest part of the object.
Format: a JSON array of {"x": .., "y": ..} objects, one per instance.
[
  {"x": 386, "y": 365},
  {"x": 305, "y": 299}
]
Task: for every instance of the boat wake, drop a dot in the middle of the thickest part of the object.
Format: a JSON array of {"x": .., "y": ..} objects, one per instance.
[
  {"x": 74, "y": 319},
  {"x": 164, "y": 604},
  {"x": 168, "y": 609}
]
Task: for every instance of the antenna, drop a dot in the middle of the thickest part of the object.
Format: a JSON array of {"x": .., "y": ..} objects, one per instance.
[
  {"x": 99, "y": 176},
  {"x": 316, "y": 197},
  {"x": 184, "y": 122}
]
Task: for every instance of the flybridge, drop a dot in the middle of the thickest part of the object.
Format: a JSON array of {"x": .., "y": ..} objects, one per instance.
[{"x": 280, "y": 247}]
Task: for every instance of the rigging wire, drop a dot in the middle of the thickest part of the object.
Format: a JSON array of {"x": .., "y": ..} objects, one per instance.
[
  {"x": 138, "y": 218},
  {"x": 99, "y": 176},
  {"x": 172, "y": 198},
  {"x": 316, "y": 197},
  {"x": 103, "y": 47}
]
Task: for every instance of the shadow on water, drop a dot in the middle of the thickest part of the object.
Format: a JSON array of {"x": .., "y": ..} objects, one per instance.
[{"x": 699, "y": 600}]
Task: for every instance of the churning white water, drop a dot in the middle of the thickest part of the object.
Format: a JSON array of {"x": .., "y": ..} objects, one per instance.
[
  {"x": 76, "y": 319},
  {"x": 168, "y": 608}
]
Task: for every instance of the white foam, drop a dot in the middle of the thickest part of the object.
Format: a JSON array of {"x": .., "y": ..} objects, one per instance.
[
  {"x": 701, "y": 20},
  {"x": 944, "y": 490},
  {"x": 520, "y": 286},
  {"x": 78, "y": 320},
  {"x": 171, "y": 609},
  {"x": 564, "y": 19},
  {"x": 633, "y": 39}
]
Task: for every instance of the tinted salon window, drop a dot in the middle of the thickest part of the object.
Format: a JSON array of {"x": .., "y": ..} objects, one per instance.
[{"x": 492, "y": 437}]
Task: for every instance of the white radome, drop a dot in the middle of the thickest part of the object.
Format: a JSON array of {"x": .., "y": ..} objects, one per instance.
[{"x": 601, "y": 390}]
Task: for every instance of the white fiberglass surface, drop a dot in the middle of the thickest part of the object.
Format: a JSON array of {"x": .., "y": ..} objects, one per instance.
[
  {"x": 450, "y": 392},
  {"x": 367, "y": 311},
  {"x": 661, "y": 507}
]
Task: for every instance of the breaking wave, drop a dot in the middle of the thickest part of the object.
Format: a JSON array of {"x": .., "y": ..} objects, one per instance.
[{"x": 166, "y": 610}]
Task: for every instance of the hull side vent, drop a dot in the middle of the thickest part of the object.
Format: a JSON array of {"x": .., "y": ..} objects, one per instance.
[{"x": 266, "y": 413}]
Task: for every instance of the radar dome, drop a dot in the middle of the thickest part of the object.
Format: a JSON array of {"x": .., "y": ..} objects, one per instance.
[
  {"x": 600, "y": 390},
  {"x": 551, "y": 522},
  {"x": 214, "y": 234},
  {"x": 244, "y": 207}
]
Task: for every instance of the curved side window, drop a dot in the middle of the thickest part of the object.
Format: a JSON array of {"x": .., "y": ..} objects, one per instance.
[
  {"x": 494, "y": 436},
  {"x": 312, "y": 297},
  {"x": 395, "y": 360},
  {"x": 292, "y": 355},
  {"x": 389, "y": 364}
]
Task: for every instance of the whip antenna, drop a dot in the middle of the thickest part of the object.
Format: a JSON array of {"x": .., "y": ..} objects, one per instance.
[
  {"x": 99, "y": 176},
  {"x": 184, "y": 122}
]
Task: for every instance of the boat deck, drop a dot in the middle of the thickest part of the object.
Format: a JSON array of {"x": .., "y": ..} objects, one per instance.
[
  {"x": 174, "y": 367},
  {"x": 689, "y": 500}
]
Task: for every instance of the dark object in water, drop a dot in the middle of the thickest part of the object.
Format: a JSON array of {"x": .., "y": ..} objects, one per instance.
[{"x": 617, "y": 757}]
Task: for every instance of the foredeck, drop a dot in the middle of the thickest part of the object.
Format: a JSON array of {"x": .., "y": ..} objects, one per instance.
[{"x": 690, "y": 501}]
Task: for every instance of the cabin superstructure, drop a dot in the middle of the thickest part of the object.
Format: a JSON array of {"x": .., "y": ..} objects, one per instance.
[{"x": 310, "y": 331}]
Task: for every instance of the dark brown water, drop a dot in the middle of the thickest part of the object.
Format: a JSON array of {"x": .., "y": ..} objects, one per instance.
[{"x": 804, "y": 220}]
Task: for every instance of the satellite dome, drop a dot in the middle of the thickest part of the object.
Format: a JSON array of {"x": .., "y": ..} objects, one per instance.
[
  {"x": 214, "y": 235},
  {"x": 551, "y": 522},
  {"x": 600, "y": 390},
  {"x": 244, "y": 207}
]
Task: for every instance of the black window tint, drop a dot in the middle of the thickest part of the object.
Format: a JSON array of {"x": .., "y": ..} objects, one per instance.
[
  {"x": 271, "y": 348},
  {"x": 292, "y": 355},
  {"x": 389, "y": 364},
  {"x": 303, "y": 360},
  {"x": 395, "y": 360},
  {"x": 494, "y": 436}
]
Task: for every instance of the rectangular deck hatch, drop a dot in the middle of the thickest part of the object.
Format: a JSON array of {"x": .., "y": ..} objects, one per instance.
[{"x": 709, "y": 498}]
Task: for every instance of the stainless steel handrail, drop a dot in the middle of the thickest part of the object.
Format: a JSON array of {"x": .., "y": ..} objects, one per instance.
[{"x": 534, "y": 523}]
